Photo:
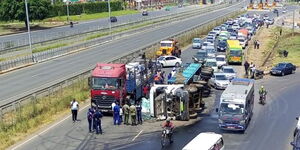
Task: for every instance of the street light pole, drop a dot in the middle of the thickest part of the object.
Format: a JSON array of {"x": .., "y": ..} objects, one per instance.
[
  {"x": 68, "y": 19},
  {"x": 109, "y": 15},
  {"x": 28, "y": 28}
]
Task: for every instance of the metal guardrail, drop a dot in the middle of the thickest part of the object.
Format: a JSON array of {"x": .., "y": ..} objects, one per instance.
[
  {"x": 56, "y": 52},
  {"x": 46, "y": 89},
  {"x": 7, "y": 46}
]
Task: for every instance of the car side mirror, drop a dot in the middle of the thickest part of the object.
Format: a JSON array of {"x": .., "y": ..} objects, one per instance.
[
  {"x": 297, "y": 118},
  {"x": 217, "y": 109}
]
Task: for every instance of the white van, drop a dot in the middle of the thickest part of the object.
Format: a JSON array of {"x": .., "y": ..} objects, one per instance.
[{"x": 206, "y": 141}]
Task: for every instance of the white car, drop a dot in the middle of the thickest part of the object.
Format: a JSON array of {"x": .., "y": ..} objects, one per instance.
[
  {"x": 243, "y": 42},
  {"x": 169, "y": 61},
  {"x": 219, "y": 81},
  {"x": 197, "y": 43},
  {"x": 221, "y": 60},
  {"x": 211, "y": 52},
  {"x": 217, "y": 30},
  {"x": 235, "y": 27},
  {"x": 229, "y": 72},
  {"x": 212, "y": 62},
  {"x": 206, "y": 44}
]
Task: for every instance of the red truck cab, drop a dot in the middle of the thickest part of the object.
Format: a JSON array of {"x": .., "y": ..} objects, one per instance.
[{"x": 107, "y": 85}]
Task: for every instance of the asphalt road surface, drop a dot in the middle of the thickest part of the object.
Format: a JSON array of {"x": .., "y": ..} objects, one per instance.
[
  {"x": 15, "y": 83},
  {"x": 273, "y": 122},
  {"x": 47, "y": 34}
]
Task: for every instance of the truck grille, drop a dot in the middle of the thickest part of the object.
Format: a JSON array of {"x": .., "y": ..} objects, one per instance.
[{"x": 104, "y": 100}]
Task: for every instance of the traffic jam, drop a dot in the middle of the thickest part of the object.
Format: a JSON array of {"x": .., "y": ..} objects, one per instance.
[{"x": 170, "y": 88}]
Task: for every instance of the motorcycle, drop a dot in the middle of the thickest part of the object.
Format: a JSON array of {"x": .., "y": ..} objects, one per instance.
[
  {"x": 165, "y": 136},
  {"x": 262, "y": 98}
]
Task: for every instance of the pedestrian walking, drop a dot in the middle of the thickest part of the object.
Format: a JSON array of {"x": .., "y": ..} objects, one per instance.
[
  {"x": 280, "y": 31},
  {"x": 74, "y": 109},
  {"x": 126, "y": 113},
  {"x": 132, "y": 109},
  {"x": 97, "y": 117},
  {"x": 121, "y": 116},
  {"x": 139, "y": 113},
  {"x": 253, "y": 69},
  {"x": 258, "y": 43},
  {"x": 246, "y": 65},
  {"x": 117, "y": 114},
  {"x": 90, "y": 116},
  {"x": 250, "y": 68},
  {"x": 255, "y": 44}
]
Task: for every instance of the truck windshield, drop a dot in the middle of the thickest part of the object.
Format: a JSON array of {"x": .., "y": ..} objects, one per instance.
[
  {"x": 236, "y": 53},
  {"x": 105, "y": 83},
  {"x": 165, "y": 44},
  {"x": 232, "y": 108}
]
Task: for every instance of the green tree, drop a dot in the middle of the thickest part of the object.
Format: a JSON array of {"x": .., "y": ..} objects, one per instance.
[{"x": 11, "y": 10}]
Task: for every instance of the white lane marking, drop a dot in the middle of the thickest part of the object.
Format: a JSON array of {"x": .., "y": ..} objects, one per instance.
[
  {"x": 137, "y": 135},
  {"x": 38, "y": 134}
]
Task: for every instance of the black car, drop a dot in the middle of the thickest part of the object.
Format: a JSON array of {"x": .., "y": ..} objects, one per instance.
[
  {"x": 113, "y": 19},
  {"x": 145, "y": 13},
  {"x": 283, "y": 69},
  {"x": 222, "y": 46}
]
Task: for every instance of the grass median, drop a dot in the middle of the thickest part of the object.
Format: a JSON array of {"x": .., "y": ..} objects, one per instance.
[
  {"x": 291, "y": 43},
  {"x": 37, "y": 113}
]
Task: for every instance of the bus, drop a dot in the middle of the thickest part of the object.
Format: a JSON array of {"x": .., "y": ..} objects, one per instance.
[
  {"x": 234, "y": 52},
  {"x": 236, "y": 105}
]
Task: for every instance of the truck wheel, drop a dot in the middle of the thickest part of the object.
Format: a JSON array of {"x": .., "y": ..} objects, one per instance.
[
  {"x": 282, "y": 73},
  {"x": 177, "y": 65}
]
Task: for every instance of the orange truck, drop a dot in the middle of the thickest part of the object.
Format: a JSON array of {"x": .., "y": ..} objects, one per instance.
[{"x": 167, "y": 47}]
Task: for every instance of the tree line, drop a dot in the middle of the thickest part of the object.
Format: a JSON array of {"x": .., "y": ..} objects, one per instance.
[{"x": 11, "y": 10}]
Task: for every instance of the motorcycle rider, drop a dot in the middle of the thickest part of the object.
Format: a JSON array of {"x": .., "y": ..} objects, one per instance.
[
  {"x": 262, "y": 92},
  {"x": 169, "y": 124}
]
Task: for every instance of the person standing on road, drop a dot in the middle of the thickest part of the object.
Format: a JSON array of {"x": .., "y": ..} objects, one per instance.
[
  {"x": 116, "y": 114},
  {"x": 121, "y": 116},
  {"x": 255, "y": 44},
  {"x": 139, "y": 113},
  {"x": 133, "y": 114},
  {"x": 97, "y": 117},
  {"x": 250, "y": 68},
  {"x": 74, "y": 109},
  {"x": 246, "y": 65},
  {"x": 253, "y": 69},
  {"x": 90, "y": 116},
  {"x": 126, "y": 113}
]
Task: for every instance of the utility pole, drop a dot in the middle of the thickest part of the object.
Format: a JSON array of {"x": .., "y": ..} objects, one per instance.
[
  {"x": 109, "y": 15},
  {"x": 28, "y": 28},
  {"x": 293, "y": 22},
  {"x": 68, "y": 17}
]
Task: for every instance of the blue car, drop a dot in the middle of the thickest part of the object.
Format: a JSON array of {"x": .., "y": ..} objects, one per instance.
[{"x": 283, "y": 69}]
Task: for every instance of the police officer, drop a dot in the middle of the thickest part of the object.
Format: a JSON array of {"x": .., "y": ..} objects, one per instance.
[
  {"x": 133, "y": 114},
  {"x": 97, "y": 117},
  {"x": 117, "y": 114},
  {"x": 126, "y": 113},
  {"x": 139, "y": 113}
]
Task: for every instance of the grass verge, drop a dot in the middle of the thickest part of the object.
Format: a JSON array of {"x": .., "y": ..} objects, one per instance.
[
  {"x": 291, "y": 44},
  {"x": 84, "y": 17},
  {"x": 41, "y": 49},
  {"x": 31, "y": 117}
]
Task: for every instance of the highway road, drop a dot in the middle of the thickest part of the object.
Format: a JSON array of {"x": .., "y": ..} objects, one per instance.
[
  {"x": 47, "y": 34},
  {"x": 15, "y": 83},
  {"x": 273, "y": 122}
]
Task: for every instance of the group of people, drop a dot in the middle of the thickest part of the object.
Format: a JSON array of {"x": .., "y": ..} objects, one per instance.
[
  {"x": 128, "y": 111},
  {"x": 256, "y": 44},
  {"x": 159, "y": 77},
  {"x": 250, "y": 69},
  {"x": 94, "y": 116}
]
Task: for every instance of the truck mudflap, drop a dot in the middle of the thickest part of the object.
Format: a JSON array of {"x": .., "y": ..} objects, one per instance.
[{"x": 236, "y": 127}]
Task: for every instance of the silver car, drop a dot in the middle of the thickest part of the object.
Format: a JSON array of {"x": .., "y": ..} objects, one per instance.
[
  {"x": 219, "y": 81},
  {"x": 229, "y": 72}
]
